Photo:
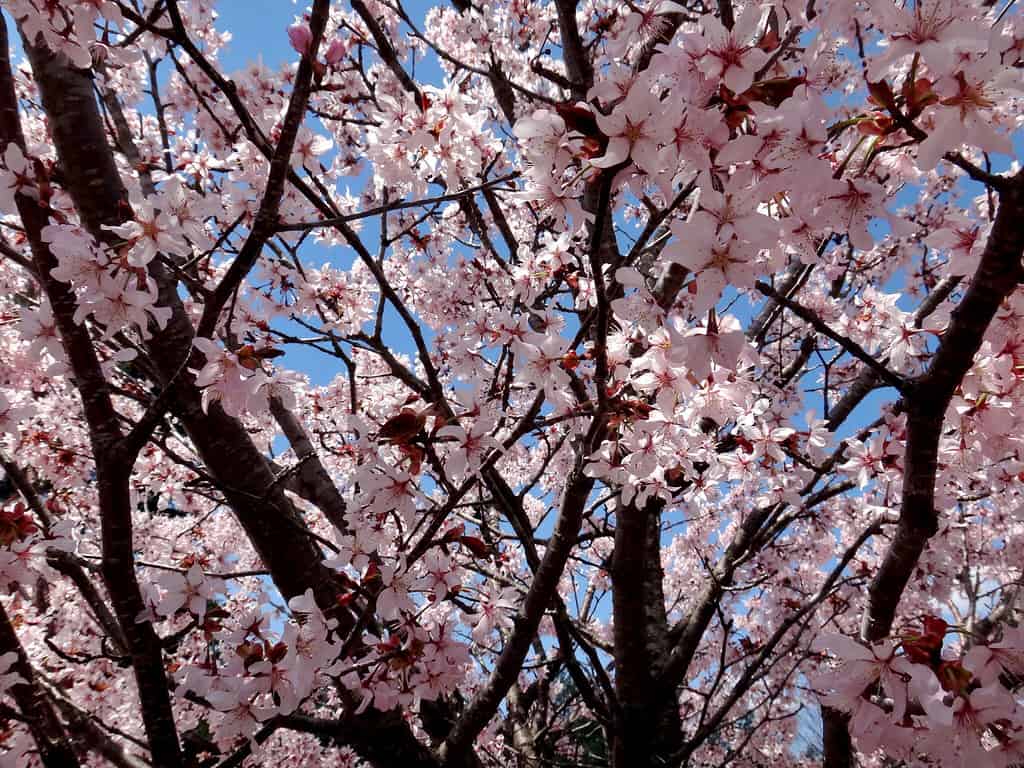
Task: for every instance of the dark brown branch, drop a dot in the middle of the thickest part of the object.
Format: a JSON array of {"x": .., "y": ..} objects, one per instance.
[
  {"x": 89, "y": 734},
  {"x": 238, "y": 467},
  {"x": 25, "y": 263},
  {"x": 868, "y": 380},
  {"x": 512, "y": 507},
  {"x": 311, "y": 472},
  {"x": 279, "y": 536},
  {"x": 265, "y": 221},
  {"x": 690, "y": 631},
  {"x": 67, "y": 96},
  {"x": 396, "y": 206},
  {"x": 647, "y": 729},
  {"x": 509, "y": 663},
  {"x": 54, "y": 747},
  {"x": 836, "y": 744},
  {"x": 577, "y": 61},
  {"x": 750, "y": 671},
  {"x": 386, "y": 51},
  {"x": 725, "y": 13},
  {"x": 823, "y": 328},
  {"x": 997, "y": 276}
]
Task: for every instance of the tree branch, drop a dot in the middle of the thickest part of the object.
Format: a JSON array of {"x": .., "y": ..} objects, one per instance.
[
  {"x": 997, "y": 276},
  {"x": 823, "y": 328},
  {"x": 545, "y": 581},
  {"x": 51, "y": 740},
  {"x": 67, "y": 95},
  {"x": 265, "y": 221}
]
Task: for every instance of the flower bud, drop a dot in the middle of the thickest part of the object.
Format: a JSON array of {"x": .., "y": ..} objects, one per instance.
[
  {"x": 336, "y": 52},
  {"x": 300, "y": 37}
]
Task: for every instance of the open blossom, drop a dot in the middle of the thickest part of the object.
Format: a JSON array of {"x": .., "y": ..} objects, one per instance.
[
  {"x": 852, "y": 205},
  {"x": 149, "y": 233},
  {"x": 971, "y": 716},
  {"x": 494, "y": 611},
  {"x": 732, "y": 55},
  {"x": 22, "y": 561},
  {"x": 767, "y": 442},
  {"x": 693, "y": 137},
  {"x": 728, "y": 214},
  {"x": 394, "y": 596},
  {"x": 227, "y": 381},
  {"x": 718, "y": 263},
  {"x": 309, "y": 146},
  {"x": 635, "y": 130},
  {"x": 7, "y": 677},
  {"x": 242, "y": 714},
  {"x": 544, "y": 364},
  {"x": 439, "y": 575},
  {"x": 938, "y": 31},
  {"x": 354, "y": 550},
  {"x": 860, "y": 666},
  {"x": 17, "y": 178},
  {"x": 542, "y": 135},
  {"x": 720, "y": 343},
  {"x": 190, "y": 590},
  {"x": 818, "y": 437},
  {"x": 390, "y": 489},
  {"x": 988, "y": 662},
  {"x": 469, "y": 447},
  {"x": 119, "y": 303},
  {"x": 864, "y": 460},
  {"x": 280, "y": 681},
  {"x": 10, "y": 415},
  {"x": 964, "y": 112},
  {"x": 962, "y": 239}
]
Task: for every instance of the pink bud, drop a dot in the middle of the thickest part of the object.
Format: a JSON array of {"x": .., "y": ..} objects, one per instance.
[
  {"x": 300, "y": 37},
  {"x": 336, "y": 52}
]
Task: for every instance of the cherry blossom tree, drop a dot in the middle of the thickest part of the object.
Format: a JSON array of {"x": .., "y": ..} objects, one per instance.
[{"x": 627, "y": 384}]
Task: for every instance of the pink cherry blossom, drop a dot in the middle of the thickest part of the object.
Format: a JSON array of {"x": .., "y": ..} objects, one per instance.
[
  {"x": 440, "y": 400},
  {"x": 300, "y": 36},
  {"x": 634, "y": 131},
  {"x": 731, "y": 54}
]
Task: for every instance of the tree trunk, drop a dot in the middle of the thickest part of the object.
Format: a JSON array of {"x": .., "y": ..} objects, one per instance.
[{"x": 647, "y": 729}]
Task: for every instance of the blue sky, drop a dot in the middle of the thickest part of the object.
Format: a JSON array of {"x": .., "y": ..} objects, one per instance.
[{"x": 258, "y": 28}]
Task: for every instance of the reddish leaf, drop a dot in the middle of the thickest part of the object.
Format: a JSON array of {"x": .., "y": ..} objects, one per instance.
[
  {"x": 247, "y": 358},
  {"x": 401, "y": 428},
  {"x": 881, "y": 94},
  {"x": 953, "y": 677},
  {"x": 453, "y": 534},
  {"x": 579, "y": 119},
  {"x": 477, "y": 546}
]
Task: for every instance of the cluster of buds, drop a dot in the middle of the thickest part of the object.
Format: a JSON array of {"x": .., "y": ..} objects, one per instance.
[{"x": 301, "y": 38}]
